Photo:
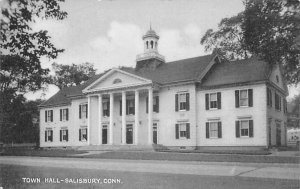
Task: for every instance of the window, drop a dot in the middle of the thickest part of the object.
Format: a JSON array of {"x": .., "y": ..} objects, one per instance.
[
  {"x": 117, "y": 81},
  {"x": 182, "y": 101},
  {"x": 83, "y": 134},
  {"x": 49, "y": 135},
  {"x": 106, "y": 108},
  {"x": 277, "y": 102},
  {"x": 244, "y": 128},
  {"x": 64, "y": 135},
  {"x": 244, "y": 98},
  {"x": 83, "y": 111},
  {"x": 277, "y": 78},
  {"x": 64, "y": 114},
  {"x": 130, "y": 107},
  {"x": 213, "y": 101},
  {"x": 49, "y": 116},
  {"x": 155, "y": 104},
  {"x": 214, "y": 129},
  {"x": 182, "y": 131},
  {"x": 269, "y": 97}
]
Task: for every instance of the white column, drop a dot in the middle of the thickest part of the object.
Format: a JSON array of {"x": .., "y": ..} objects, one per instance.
[
  {"x": 89, "y": 120},
  {"x": 150, "y": 116},
  {"x": 123, "y": 117},
  {"x": 100, "y": 118},
  {"x": 111, "y": 118},
  {"x": 136, "y": 117}
]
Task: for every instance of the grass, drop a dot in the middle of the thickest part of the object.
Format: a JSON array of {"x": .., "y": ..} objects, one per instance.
[{"x": 242, "y": 152}]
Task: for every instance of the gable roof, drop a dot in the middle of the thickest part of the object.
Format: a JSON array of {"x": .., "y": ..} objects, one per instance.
[{"x": 240, "y": 71}]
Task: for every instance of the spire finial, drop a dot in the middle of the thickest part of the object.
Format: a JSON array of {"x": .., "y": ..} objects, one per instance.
[{"x": 150, "y": 25}]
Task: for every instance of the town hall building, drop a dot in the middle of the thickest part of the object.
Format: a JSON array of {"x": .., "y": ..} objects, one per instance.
[{"x": 200, "y": 102}]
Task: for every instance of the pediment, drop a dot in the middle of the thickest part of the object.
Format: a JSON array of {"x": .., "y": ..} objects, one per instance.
[{"x": 115, "y": 79}]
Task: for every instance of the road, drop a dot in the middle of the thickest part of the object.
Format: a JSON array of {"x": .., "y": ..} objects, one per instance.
[{"x": 44, "y": 172}]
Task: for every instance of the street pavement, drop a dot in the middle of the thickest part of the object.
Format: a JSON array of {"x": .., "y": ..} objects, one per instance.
[{"x": 231, "y": 173}]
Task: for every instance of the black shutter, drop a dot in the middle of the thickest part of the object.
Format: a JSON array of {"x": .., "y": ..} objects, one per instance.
[
  {"x": 157, "y": 104},
  {"x": 45, "y": 136},
  {"x": 207, "y": 129},
  {"x": 237, "y": 98},
  {"x": 60, "y": 114},
  {"x": 51, "y": 115},
  {"x": 120, "y": 107},
  {"x": 87, "y": 111},
  {"x": 51, "y": 135},
  {"x": 67, "y": 137},
  {"x": 126, "y": 107},
  {"x": 187, "y": 101},
  {"x": 45, "y": 115},
  {"x": 188, "y": 130},
  {"x": 108, "y": 108},
  {"x": 147, "y": 104},
  {"x": 268, "y": 96},
  {"x": 237, "y": 129},
  {"x": 134, "y": 107},
  {"x": 250, "y": 97},
  {"x": 79, "y": 134},
  {"x": 250, "y": 128},
  {"x": 60, "y": 135},
  {"x": 207, "y": 101},
  {"x": 176, "y": 102},
  {"x": 219, "y": 100},
  {"x": 219, "y": 129},
  {"x": 67, "y": 114},
  {"x": 177, "y": 131},
  {"x": 271, "y": 97},
  {"x": 79, "y": 111},
  {"x": 86, "y": 131}
]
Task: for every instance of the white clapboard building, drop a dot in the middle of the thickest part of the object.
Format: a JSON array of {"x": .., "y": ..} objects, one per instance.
[{"x": 204, "y": 102}]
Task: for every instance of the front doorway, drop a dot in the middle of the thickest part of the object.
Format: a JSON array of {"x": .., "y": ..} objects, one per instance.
[
  {"x": 129, "y": 134},
  {"x": 154, "y": 133},
  {"x": 278, "y": 134},
  {"x": 104, "y": 134}
]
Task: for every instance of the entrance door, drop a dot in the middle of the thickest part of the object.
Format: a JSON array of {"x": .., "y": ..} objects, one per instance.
[
  {"x": 278, "y": 134},
  {"x": 154, "y": 133},
  {"x": 104, "y": 134},
  {"x": 129, "y": 134}
]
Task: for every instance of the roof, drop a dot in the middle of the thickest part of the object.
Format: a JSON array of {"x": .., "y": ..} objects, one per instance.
[{"x": 240, "y": 71}]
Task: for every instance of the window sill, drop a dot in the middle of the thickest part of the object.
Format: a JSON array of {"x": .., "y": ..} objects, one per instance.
[
  {"x": 244, "y": 107},
  {"x": 213, "y": 109},
  {"x": 213, "y": 138},
  {"x": 182, "y": 110}
]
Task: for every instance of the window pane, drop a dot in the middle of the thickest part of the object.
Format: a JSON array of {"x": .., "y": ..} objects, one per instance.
[
  {"x": 243, "y": 94},
  {"x": 213, "y": 97},
  {"x": 182, "y": 97},
  {"x": 244, "y": 102},
  {"x": 244, "y": 124}
]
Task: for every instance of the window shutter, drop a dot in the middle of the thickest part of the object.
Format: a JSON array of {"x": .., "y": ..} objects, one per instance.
[
  {"x": 187, "y": 101},
  {"x": 176, "y": 102},
  {"x": 219, "y": 100},
  {"x": 51, "y": 115},
  {"x": 45, "y": 115},
  {"x": 79, "y": 111},
  {"x": 207, "y": 101},
  {"x": 67, "y": 114},
  {"x": 147, "y": 104},
  {"x": 207, "y": 129},
  {"x": 120, "y": 107},
  {"x": 108, "y": 108},
  {"x": 134, "y": 107},
  {"x": 188, "y": 130},
  {"x": 219, "y": 129},
  {"x": 45, "y": 136},
  {"x": 157, "y": 104},
  {"x": 237, "y": 129},
  {"x": 250, "y": 97},
  {"x": 271, "y": 98},
  {"x": 280, "y": 103},
  {"x": 268, "y": 96},
  {"x": 67, "y": 133},
  {"x": 87, "y": 111},
  {"x": 177, "y": 131},
  {"x": 60, "y": 114},
  {"x": 51, "y": 135},
  {"x": 237, "y": 98},
  {"x": 79, "y": 134},
  {"x": 250, "y": 128},
  {"x": 86, "y": 131},
  {"x": 60, "y": 135}
]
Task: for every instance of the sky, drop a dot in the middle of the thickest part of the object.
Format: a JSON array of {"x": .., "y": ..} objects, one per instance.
[{"x": 108, "y": 33}]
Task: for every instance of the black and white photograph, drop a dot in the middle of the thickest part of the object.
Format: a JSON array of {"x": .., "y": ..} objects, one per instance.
[{"x": 150, "y": 94}]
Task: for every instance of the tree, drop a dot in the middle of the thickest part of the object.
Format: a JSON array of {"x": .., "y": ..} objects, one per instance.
[
  {"x": 269, "y": 29},
  {"x": 72, "y": 75}
]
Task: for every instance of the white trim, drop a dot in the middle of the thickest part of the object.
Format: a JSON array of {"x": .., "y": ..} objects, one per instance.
[{"x": 86, "y": 90}]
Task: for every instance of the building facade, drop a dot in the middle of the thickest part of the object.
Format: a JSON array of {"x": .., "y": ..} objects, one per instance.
[{"x": 204, "y": 101}]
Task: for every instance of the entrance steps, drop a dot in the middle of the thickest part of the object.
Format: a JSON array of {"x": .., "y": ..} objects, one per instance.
[{"x": 118, "y": 148}]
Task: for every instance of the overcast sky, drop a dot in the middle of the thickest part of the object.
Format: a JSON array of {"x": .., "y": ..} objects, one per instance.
[{"x": 108, "y": 33}]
